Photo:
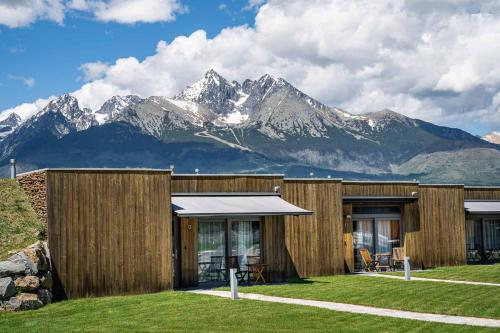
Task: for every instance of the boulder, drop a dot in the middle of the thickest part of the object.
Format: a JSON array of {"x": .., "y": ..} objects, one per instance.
[
  {"x": 7, "y": 288},
  {"x": 45, "y": 296},
  {"x": 28, "y": 283},
  {"x": 9, "y": 268},
  {"x": 24, "y": 302},
  {"x": 46, "y": 281},
  {"x": 22, "y": 259},
  {"x": 35, "y": 253}
]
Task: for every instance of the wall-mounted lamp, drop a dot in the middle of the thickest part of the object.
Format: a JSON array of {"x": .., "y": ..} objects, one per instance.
[
  {"x": 277, "y": 189},
  {"x": 414, "y": 194},
  {"x": 190, "y": 227}
]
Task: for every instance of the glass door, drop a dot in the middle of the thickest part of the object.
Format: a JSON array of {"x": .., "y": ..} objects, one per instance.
[
  {"x": 211, "y": 250},
  {"x": 378, "y": 234},
  {"x": 362, "y": 239},
  {"x": 221, "y": 238},
  {"x": 245, "y": 240}
]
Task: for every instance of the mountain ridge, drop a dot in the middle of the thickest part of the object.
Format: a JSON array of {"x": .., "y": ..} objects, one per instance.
[{"x": 267, "y": 118}]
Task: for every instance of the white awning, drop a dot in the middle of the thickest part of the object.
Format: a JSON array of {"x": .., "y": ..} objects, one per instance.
[
  {"x": 233, "y": 204},
  {"x": 482, "y": 207}
]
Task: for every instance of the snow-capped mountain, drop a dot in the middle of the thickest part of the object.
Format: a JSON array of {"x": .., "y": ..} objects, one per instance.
[
  {"x": 254, "y": 125},
  {"x": 493, "y": 137},
  {"x": 9, "y": 124}
]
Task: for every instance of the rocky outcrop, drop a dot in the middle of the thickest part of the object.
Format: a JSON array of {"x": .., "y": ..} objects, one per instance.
[{"x": 25, "y": 279}]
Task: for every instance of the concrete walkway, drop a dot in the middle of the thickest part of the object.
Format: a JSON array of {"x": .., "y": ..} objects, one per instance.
[
  {"x": 361, "y": 309},
  {"x": 434, "y": 280}
]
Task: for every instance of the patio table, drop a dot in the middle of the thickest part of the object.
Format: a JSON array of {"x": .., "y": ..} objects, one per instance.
[{"x": 380, "y": 257}]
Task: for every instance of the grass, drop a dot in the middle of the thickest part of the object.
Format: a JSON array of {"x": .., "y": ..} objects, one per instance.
[
  {"x": 419, "y": 296},
  {"x": 19, "y": 224},
  {"x": 175, "y": 311},
  {"x": 476, "y": 273}
]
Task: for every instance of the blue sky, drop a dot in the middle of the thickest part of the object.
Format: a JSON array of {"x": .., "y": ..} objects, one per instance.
[
  {"x": 51, "y": 53},
  {"x": 435, "y": 60}
]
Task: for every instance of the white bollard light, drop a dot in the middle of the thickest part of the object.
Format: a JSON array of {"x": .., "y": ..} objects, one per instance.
[
  {"x": 13, "y": 172},
  {"x": 407, "y": 268},
  {"x": 234, "y": 283}
]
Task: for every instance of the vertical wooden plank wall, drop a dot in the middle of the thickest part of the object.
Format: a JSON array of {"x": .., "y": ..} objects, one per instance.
[
  {"x": 275, "y": 252},
  {"x": 482, "y": 193},
  {"x": 315, "y": 243},
  {"x": 189, "y": 252},
  {"x": 348, "y": 239},
  {"x": 225, "y": 183},
  {"x": 442, "y": 225},
  {"x": 110, "y": 231}
]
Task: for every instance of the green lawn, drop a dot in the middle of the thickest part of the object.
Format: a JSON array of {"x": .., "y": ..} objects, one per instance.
[
  {"x": 180, "y": 311},
  {"x": 477, "y": 273},
  {"x": 420, "y": 296},
  {"x": 19, "y": 224}
]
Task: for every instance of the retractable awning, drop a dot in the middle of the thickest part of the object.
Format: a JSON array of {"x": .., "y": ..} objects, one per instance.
[
  {"x": 482, "y": 207},
  {"x": 233, "y": 204}
]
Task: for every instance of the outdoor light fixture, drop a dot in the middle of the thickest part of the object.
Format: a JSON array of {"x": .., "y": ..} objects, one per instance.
[
  {"x": 414, "y": 194},
  {"x": 197, "y": 171},
  {"x": 277, "y": 189}
]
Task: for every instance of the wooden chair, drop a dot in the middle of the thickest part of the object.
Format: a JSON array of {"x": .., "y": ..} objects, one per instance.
[
  {"x": 398, "y": 255},
  {"x": 233, "y": 262},
  {"x": 251, "y": 261},
  {"x": 368, "y": 262}
]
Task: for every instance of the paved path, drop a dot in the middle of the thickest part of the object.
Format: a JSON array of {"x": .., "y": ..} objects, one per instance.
[
  {"x": 434, "y": 280},
  {"x": 342, "y": 307}
]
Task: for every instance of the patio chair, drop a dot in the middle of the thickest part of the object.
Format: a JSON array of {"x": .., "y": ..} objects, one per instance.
[
  {"x": 214, "y": 270},
  {"x": 398, "y": 257},
  {"x": 252, "y": 260},
  {"x": 233, "y": 262},
  {"x": 369, "y": 265}
]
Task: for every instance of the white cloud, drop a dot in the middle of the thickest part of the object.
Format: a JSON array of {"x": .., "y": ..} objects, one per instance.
[
  {"x": 27, "y": 81},
  {"x": 434, "y": 60},
  {"x": 21, "y": 13},
  {"x": 93, "y": 70}
]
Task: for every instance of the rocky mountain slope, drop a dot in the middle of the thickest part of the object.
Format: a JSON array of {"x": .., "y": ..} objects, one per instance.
[{"x": 257, "y": 126}]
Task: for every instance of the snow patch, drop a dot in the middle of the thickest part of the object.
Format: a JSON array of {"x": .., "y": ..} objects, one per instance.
[{"x": 234, "y": 118}]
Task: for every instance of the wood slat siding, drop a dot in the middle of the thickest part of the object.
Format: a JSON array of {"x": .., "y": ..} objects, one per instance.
[
  {"x": 442, "y": 225},
  {"x": 348, "y": 240},
  {"x": 189, "y": 252},
  {"x": 110, "y": 231},
  {"x": 315, "y": 243},
  {"x": 482, "y": 193},
  {"x": 275, "y": 252},
  {"x": 225, "y": 183},
  {"x": 378, "y": 188}
]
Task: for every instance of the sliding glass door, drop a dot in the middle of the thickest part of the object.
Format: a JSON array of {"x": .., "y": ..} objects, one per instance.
[
  {"x": 245, "y": 240},
  {"x": 491, "y": 234},
  {"x": 377, "y": 234},
  {"x": 211, "y": 250},
  {"x": 219, "y": 239}
]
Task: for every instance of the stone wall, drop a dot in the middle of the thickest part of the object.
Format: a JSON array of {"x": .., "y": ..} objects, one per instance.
[
  {"x": 26, "y": 279},
  {"x": 34, "y": 184}
]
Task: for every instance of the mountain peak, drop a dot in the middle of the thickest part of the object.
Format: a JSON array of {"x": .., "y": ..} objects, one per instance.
[{"x": 493, "y": 137}]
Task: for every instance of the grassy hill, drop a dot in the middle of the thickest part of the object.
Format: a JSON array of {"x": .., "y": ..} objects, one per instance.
[
  {"x": 475, "y": 166},
  {"x": 19, "y": 224}
]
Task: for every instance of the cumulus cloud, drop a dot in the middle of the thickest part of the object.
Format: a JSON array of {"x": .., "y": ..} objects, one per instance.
[
  {"x": 20, "y": 13},
  {"x": 93, "y": 70},
  {"x": 433, "y": 60}
]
